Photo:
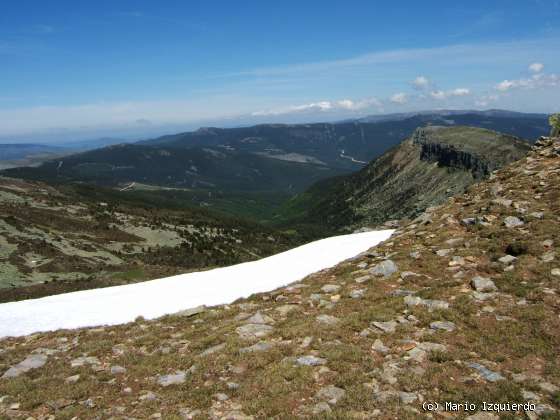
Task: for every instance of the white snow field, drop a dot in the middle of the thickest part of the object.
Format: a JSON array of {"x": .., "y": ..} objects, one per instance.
[{"x": 155, "y": 298}]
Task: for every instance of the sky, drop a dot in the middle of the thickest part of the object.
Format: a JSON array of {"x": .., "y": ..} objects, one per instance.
[{"x": 73, "y": 69}]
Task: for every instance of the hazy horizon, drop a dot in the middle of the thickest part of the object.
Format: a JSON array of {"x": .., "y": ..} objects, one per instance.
[{"x": 77, "y": 71}]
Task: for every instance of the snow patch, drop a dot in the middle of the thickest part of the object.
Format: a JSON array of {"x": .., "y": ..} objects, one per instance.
[{"x": 155, "y": 298}]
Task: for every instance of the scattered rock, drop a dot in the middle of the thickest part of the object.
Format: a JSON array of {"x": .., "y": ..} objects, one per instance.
[
  {"x": 512, "y": 221},
  {"x": 178, "y": 377},
  {"x": 321, "y": 407},
  {"x": 362, "y": 279},
  {"x": 260, "y": 346},
  {"x": 33, "y": 361},
  {"x": 284, "y": 310},
  {"x": 443, "y": 325},
  {"x": 328, "y": 320},
  {"x": 388, "y": 326},
  {"x": 250, "y": 331},
  {"x": 486, "y": 373},
  {"x": 378, "y": 346},
  {"x": 483, "y": 284},
  {"x": 430, "y": 303},
  {"x": 555, "y": 272},
  {"x": 548, "y": 387},
  {"x": 85, "y": 360},
  {"x": 384, "y": 268},
  {"x": 331, "y": 394},
  {"x": 310, "y": 361},
  {"x": 191, "y": 311},
  {"x": 407, "y": 397},
  {"x": 507, "y": 259},
  {"x": 213, "y": 349},
  {"x": 330, "y": 288},
  {"x": 259, "y": 318},
  {"x": 117, "y": 370},
  {"x": 357, "y": 294}
]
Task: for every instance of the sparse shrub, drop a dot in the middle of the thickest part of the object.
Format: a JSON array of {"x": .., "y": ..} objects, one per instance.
[
  {"x": 554, "y": 121},
  {"x": 517, "y": 248}
]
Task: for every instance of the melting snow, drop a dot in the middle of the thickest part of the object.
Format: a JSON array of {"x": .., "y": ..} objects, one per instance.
[{"x": 155, "y": 298}]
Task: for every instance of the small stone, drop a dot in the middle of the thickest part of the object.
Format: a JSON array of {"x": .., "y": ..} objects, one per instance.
[
  {"x": 148, "y": 396},
  {"x": 548, "y": 387},
  {"x": 357, "y": 294},
  {"x": 310, "y": 361},
  {"x": 330, "y": 288},
  {"x": 468, "y": 221},
  {"x": 284, "y": 310},
  {"x": 232, "y": 385},
  {"x": 72, "y": 379},
  {"x": 249, "y": 331},
  {"x": 407, "y": 397},
  {"x": 306, "y": 342},
  {"x": 178, "y": 377},
  {"x": 191, "y": 311},
  {"x": 512, "y": 221},
  {"x": 86, "y": 360},
  {"x": 442, "y": 325},
  {"x": 555, "y": 272},
  {"x": 213, "y": 349},
  {"x": 260, "y": 346},
  {"x": 379, "y": 347},
  {"x": 220, "y": 396},
  {"x": 548, "y": 257},
  {"x": 33, "y": 361},
  {"x": 415, "y": 255},
  {"x": 443, "y": 252},
  {"x": 388, "y": 326},
  {"x": 327, "y": 320},
  {"x": 483, "y": 284},
  {"x": 362, "y": 279},
  {"x": 486, "y": 373},
  {"x": 259, "y": 318},
  {"x": 331, "y": 394},
  {"x": 384, "y": 268},
  {"x": 507, "y": 259},
  {"x": 321, "y": 407},
  {"x": 116, "y": 370},
  {"x": 503, "y": 202}
]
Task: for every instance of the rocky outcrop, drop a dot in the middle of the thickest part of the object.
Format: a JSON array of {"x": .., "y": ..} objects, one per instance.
[{"x": 449, "y": 156}]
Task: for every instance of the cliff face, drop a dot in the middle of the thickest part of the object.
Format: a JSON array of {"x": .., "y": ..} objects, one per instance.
[
  {"x": 446, "y": 155},
  {"x": 433, "y": 164}
]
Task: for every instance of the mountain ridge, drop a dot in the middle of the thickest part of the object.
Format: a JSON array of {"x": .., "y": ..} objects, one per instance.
[{"x": 432, "y": 164}]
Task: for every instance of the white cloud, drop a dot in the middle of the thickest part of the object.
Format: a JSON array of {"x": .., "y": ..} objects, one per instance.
[
  {"x": 322, "y": 106},
  {"x": 535, "y": 81},
  {"x": 536, "y": 67},
  {"x": 421, "y": 82},
  {"x": 399, "y": 98},
  {"x": 445, "y": 94}
]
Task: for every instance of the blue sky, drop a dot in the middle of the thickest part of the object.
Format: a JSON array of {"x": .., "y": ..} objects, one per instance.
[{"x": 72, "y": 69}]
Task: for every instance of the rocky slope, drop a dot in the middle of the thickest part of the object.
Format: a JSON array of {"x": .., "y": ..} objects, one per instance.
[
  {"x": 460, "y": 305},
  {"x": 434, "y": 163}
]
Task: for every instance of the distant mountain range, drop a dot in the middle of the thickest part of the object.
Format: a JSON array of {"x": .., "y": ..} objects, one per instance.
[
  {"x": 274, "y": 159},
  {"x": 436, "y": 162}
]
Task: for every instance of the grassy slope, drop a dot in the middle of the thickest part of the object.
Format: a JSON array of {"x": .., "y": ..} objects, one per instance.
[{"x": 514, "y": 332}]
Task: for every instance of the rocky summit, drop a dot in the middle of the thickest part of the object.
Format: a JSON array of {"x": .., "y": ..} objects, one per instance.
[{"x": 460, "y": 304}]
